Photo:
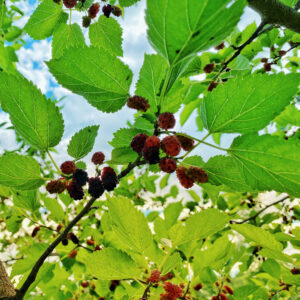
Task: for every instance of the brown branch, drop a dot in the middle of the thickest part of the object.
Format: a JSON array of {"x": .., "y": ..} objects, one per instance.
[
  {"x": 275, "y": 12},
  {"x": 6, "y": 287},
  {"x": 260, "y": 211},
  {"x": 32, "y": 276},
  {"x": 146, "y": 293},
  {"x": 278, "y": 57},
  {"x": 187, "y": 290}
]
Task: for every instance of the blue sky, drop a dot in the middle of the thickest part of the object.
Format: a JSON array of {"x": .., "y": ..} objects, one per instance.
[{"x": 76, "y": 111}]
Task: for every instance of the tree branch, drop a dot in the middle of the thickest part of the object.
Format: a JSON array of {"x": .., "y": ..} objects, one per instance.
[
  {"x": 146, "y": 293},
  {"x": 275, "y": 12},
  {"x": 32, "y": 276},
  {"x": 260, "y": 211},
  {"x": 6, "y": 287}
]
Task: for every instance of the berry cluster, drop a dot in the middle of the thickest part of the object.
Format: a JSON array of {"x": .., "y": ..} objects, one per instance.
[
  {"x": 76, "y": 179},
  {"x": 173, "y": 292},
  {"x": 171, "y": 145}
]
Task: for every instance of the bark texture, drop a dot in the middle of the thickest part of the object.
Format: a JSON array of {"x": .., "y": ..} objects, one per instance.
[
  {"x": 6, "y": 287},
  {"x": 275, "y": 12}
]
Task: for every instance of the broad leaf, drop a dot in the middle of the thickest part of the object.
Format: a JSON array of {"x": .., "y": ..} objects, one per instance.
[
  {"x": 20, "y": 172},
  {"x": 107, "y": 34},
  {"x": 127, "y": 3},
  {"x": 258, "y": 235},
  {"x": 130, "y": 225},
  {"x": 83, "y": 142},
  {"x": 26, "y": 200},
  {"x": 291, "y": 115},
  {"x": 56, "y": 211},
  {"x": 123, "y": 156},
  {"x": 34, "y": 117},
  {"x": 178, "y": 29},
  {"x": 112, "y": 264},
  {"x": 150, "y": 79},
  {"x": 225, "y": 170},
  {"x": 101, "y": 78},
  {"x": 66, "y": 36},
  {"x": 45, "y": 18},
  {"x": 124, "y": 136},
  {"x": 200, "y": 226},
  {"x": 245, "y": 105},
  {"x": 268, "y": 163}
]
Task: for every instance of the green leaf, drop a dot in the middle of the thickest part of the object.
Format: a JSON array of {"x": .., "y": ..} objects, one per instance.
[
  {"x": 127, "y": 3},
  {"x": 130, "y": 227},
  {"x": 275, "y": 254},
  {"x": 171, "y": 263},
  {"x": 107, "y": 34},
  {"x": 272, "y": 267},
  {"x": 291, "y": 115},
  {"x": 268, "y": 163},
  {"x": 66, "y": 36},
  {"x": 195, "y": 161},
  {"x": 83, "y": 142},
  {"x": 171, "y": 213},
  {"x": 245, "y": 105},
  {"x": 55, "y": 209},
  {"x": 225, "y": 170},
  {"x": 258, "y": 235},
  {"x": 37, "y": 119},
  {"x": 178, "y": 29},
  {"x": 101, "y": 78},
  {"x": 124, "y": 136},
  {"x": 20, "y": 172},
  {"x": 26, "y": 200},
  {"x": 111, "y": 264},
  {"x": 187, "y": 111},
  {"x": 151, "y": 76},
  {"x": 123, "y": 156},
  {"x": 44, "y": 19},
  {"x": 200, "y": 226}
]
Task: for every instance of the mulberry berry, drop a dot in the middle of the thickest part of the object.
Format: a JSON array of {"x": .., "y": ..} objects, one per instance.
[
  {"x": 73, "y": 238},
  {"x": 73, "y": 253},
  {"x": 170, "y": 275},
  {"x": 214, "y": 298},
  {"x": 152, "y": 141},
  {"x": 295, "y": 271},
  {"x": 220, "y": 47},
  {"x": 197, "y": 174},
  {"x": 167, "y": 165},
  {"x": 185, "y": 181},
  {"x": 65, "y": 242},
  {"x": 166, "y": 120},
  {"x": 138, "y": 142},
  {"x": 154, "y": 277},
  {"x": 117, "y": 11},
  {"x": 267, "y": 67},
  {"x": 85, "y": 284},
  {"x": 86, "y": 21},
  {"x": 81, "y": 177},
  {"x": 209, "y": 68},
  {"x": 151, "y": 155},
  {"x": 212, "y": 86},
  {"x": 198, "y": 287},
  {"x": 223, "y": 297},
  {"x": 59, "y": 227},
  {"x": 109, "y": 178},
  {"x": 96, "y": 188},
  {"x": 186, "y": 143},
  {"x": 97, "y": 248},
  {"x": 172, "y": 291},
  {"x": 163, "y": 278},
  {"x": 70, "y": 3},
  {"x": 90, "y": 242},
  {"x": 35, "y": 231},
  {"x": 98, "y": 158},
  {"x": 107, "y": 9},
  {"x": 228, "y": 289},
  {"x": 93, "y": 10},
  {"x": 56, "y": 186},
  {"x": 75, "y": 190},
  {"x": 138, "y": 103},
  {"x": 68, "y": 167},
  {"x": 281, "y": 53},
  {"x": 264, "y": 60},
  {"x": 171, "y": 145}
]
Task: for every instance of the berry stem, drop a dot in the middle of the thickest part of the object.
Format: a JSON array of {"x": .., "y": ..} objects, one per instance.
[
  {"x": 214, "y": 146},
  {"x": 70, "y": 19},
  {"x": 54, "y": 163}
]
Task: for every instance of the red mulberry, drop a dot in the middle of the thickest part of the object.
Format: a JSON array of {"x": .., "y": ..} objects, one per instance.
[
  {"x": 172, "y": 291},
  {"x": 151, "y": 155},
  {"x": 73, "y": 253},
  {"x": 109, "y": 178},
  {"x": 198, "y": 287},
  {"x": 152, "y": 141},
  {"x": 35, "y": 231},
  {"x": 90, "y": 242},
  {"x": 166, "y": 120},
  {"x": 186, "y": 143},
  {"x": 75, "y": 190},
  {"x": 171, "y": 145},
  {"x": 56, "y": 186},
  {"x": 223, "y": 297},
  {"x": 93, "y": 10},
  {"x": 212, "y": 86},
  {"x": 85, "y": 284},
  {"x": 197, "y": 174},
  {"x": 209, "y": 68},
  {"x": 138, "y": 142},
  {"x": 107, "y": 9},
  {"x": 98, "y": 158},
  {"x": 267, "y": 67},
  {"x": 167, "y": 165},
  {"x": 117, "y": 11},
  {"x": 138, "y": 103},
  {"x": 154, "y": 277},
  {"x": 228, "y": 289},
  {"x": 295, "y": 271},
  {"x": 86, "y": 21},
  {"x": 96, "y": 188},
  {"x": 220, "y": 47},
  {"x": 185, "y": 181},
  {"x": 70, "y": 3},
  {"x": 68, "y": 167}
]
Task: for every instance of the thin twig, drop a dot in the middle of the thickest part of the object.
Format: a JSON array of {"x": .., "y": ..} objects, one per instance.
[
  {"x": 278, "y": 57},
  {"x": 12, "y": 259},
  {"x": 187, "y": 290},
  {"x": 260, "y": 211},
  {"x": 146, "y": 292}
]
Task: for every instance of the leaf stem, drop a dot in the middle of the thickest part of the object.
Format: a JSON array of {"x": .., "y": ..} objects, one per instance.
[{"x": 53, "y": 161}]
